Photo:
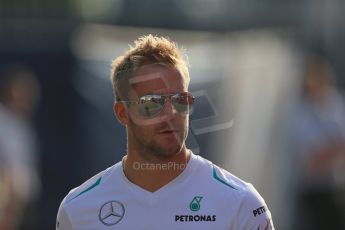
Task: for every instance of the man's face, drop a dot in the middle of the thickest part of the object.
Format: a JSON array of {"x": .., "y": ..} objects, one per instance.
[{"x": 164, "y": 134}]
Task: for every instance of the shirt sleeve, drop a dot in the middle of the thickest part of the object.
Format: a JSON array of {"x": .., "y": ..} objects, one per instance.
[
  {"x": 63, "y": 222},
  {"x": 254, "y": 213}
]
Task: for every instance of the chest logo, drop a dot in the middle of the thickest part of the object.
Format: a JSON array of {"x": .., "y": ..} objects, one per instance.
[
  {"x": 195, "y": 203},
  {"x": 111, "y": 213}
]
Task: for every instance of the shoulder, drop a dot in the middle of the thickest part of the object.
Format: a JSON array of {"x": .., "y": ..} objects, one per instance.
[
  {"x": 87, "y": 186},
  {"x": 221, "y": 177},
  {"x": 77, "y": 196},
  {"x": 91, "y": 185},
  {"x": 252, "y": 211}
]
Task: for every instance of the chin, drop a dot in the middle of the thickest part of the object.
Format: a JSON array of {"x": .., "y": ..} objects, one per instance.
[{"x": 165, "y": 152}]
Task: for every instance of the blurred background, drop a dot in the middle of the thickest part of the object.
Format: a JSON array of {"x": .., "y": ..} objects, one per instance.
[{"x": 268, "y": 77}]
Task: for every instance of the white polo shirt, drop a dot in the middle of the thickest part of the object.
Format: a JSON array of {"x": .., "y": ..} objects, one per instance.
[{"x": 203, "y": 196}]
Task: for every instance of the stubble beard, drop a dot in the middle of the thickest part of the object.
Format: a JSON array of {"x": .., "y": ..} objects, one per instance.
[{"x": 150, "y": 148}]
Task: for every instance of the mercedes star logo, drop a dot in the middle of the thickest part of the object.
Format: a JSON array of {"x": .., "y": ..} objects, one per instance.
[{"x": 111, "y": 212}]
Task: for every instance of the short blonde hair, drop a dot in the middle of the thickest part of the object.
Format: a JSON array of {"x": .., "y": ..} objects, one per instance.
[{"x": 147, "y": 49}]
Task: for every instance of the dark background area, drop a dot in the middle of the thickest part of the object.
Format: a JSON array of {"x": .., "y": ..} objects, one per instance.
[{"x": 37, "y": 32}]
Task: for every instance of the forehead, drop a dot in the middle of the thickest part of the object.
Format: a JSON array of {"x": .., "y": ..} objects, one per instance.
[{"x": 157, "y": 79}]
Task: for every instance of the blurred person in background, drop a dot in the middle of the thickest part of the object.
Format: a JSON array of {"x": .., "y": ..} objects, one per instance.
[
  {"x": 19, "y": 178},
  {"x": 320, "y": 136}
]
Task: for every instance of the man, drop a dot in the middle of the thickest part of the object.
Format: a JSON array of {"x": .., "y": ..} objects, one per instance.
[
  {"x": 19, "y": 176},
  {"x": 320, "y": 140},
  {"x": 160, "y": 184}
]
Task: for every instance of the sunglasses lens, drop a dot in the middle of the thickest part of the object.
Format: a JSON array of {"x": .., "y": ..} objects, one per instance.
[
  {"x": 150, "y": 105},
  {"x": 183, "y": 102}
]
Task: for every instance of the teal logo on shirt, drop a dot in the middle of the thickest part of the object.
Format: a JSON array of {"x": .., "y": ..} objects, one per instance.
[
  {"x": 195, "y": 203},
  {"x": 194, "y": 206}
]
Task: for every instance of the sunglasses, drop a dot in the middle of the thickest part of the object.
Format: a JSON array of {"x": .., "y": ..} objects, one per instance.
[{"x": 152, "y": 104}]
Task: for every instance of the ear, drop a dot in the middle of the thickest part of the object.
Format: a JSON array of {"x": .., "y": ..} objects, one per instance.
[{"x": 120, "y": 112}]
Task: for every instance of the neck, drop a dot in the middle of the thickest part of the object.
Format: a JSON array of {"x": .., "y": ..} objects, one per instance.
[{"x": 154, "y": 172}]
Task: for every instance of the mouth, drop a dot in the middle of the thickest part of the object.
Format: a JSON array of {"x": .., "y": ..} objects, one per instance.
[
  {"x": 167, "y": 131},
  {"x": 172, "y": 136}
]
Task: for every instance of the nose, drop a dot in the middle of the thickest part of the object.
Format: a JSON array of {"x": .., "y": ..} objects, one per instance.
[{"x": 169, "y": 108}]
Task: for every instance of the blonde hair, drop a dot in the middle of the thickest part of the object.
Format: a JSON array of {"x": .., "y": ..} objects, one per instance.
[{"x": 147, "y": 49}]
